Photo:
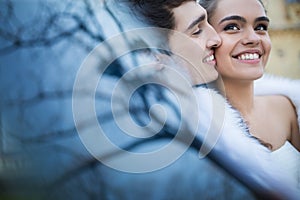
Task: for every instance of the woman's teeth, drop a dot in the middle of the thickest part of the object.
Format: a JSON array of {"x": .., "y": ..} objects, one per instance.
[{"x": 248, "y": 56}]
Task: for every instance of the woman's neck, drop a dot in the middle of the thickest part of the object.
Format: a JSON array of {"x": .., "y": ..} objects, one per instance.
[{"x": 239, "y": 93}]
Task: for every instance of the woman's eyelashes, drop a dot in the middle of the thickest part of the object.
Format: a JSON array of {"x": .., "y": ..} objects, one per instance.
[
  {"x": 231, "y": 27},
  {"x": 262, "y": 27}
]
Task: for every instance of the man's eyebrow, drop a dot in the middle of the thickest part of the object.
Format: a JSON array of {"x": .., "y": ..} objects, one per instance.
[
  {"x": 196, "y": 21},
  {"x": 263, "y": 18},
  {"x": 233, "y": 17}
]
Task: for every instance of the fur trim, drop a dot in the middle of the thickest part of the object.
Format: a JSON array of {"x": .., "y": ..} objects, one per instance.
[
  {"x": 271, "y": 84},
  {"x": 235, "y": 147}
]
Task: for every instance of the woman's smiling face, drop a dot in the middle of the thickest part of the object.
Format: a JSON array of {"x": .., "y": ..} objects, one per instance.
[{"x": 242, "y": 26}]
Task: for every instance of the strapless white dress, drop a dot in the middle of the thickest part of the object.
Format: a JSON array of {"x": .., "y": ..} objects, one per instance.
[{"x": 288, "y": 159}]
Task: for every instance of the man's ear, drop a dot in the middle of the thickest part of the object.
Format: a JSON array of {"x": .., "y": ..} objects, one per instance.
[{"x": 164, "y": 60}]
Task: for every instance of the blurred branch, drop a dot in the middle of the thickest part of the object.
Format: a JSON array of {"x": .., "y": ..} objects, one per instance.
[{"x": 40, "y": 34}]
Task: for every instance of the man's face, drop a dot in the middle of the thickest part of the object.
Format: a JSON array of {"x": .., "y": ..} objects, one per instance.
[{"x": 193, "y": 40}]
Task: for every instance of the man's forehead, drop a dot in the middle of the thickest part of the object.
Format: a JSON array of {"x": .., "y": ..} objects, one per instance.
[{"x": 188, "y": 14}]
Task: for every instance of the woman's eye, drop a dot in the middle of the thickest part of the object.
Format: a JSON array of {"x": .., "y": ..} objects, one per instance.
[
  {"x": 261, "y": 27},
  {"x": 231, "y": 27},
  {"x": 197, "y": 32}
]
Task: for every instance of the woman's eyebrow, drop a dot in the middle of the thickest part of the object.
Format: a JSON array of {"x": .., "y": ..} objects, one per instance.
[
  {"x": 233, "y": 17},
  {"x": 196, "y": 21},
  {"x": 263, "y": 18}
]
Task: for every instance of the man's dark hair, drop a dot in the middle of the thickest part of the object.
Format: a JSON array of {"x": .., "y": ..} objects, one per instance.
[{"x": 157, "y": 13}]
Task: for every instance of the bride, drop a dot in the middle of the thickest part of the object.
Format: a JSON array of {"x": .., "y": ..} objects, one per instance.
[{"x": 241, "y": 59}]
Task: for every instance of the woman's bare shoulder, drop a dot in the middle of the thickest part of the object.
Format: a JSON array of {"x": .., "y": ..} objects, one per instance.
[
  {"x": 279, "y": 102},
  {"x": 280, "y": 106}
]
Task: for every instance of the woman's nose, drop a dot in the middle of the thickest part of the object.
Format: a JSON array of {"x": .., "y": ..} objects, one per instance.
[{"x": 251, "y": 37}]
